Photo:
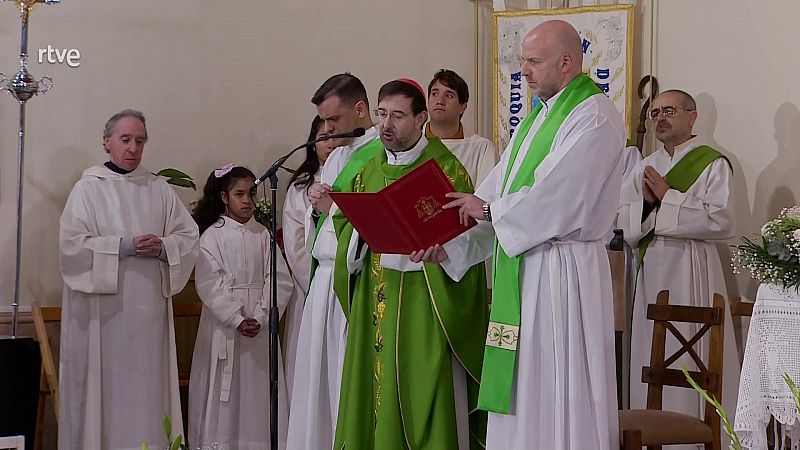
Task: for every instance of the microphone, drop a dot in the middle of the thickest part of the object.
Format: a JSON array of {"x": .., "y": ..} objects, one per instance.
[
  {"x": 358, "y": 132},
  {"x": 277, "y": 164}
]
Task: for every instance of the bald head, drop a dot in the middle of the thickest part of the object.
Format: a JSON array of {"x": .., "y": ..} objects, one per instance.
[
  {"x": 560, "y": 37},
  {"x": 553, "y": 57},
  {"x": 684, "y": 98}
]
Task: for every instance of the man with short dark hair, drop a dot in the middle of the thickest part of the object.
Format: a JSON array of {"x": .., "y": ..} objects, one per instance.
[
  {"x": 415, "y": 337},
  {"x": 677, "y": 202},
  {"x": 127, "y": 246},
  {"x": 448, "y": 95},
  {"x": 342, "y": 104}
]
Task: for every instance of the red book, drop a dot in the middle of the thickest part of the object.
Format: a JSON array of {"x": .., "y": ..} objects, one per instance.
[{"x": 407, "y": 215}]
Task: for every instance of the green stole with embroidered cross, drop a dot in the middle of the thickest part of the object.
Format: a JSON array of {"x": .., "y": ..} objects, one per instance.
[
  {"x": 681, "y": 177},
  {"x": 502, "y": 338},
  {"x": 344, "y": 182}
]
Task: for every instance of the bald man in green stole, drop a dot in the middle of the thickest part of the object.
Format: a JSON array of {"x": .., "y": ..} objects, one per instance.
[
  {"x": 415, "y": 344},
  {"x": 545, "y": 212}
]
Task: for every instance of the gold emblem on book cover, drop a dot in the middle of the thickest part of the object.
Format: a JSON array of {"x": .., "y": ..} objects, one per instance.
[{"x": 427, "y": 208}]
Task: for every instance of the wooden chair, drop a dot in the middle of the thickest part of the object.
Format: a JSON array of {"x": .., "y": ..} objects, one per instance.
[
  {"x": 50, "y": 373},
  {"x": 187, "y": 310},
  {"x": 653, "y": 427},
  {"x": 619, "y": 279},
  {"x": 741, "y": 307},
  {"x": 619, "y": 287},
  {"x": 49, "y": 377}
]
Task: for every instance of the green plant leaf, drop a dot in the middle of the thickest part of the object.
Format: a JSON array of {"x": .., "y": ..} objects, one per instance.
[
  {"x": 795, "y": 390},
  {"x": 145, "y": 446},
  {"x": 726, "y": 422},
  {"x": 172, "y": 173},
  {"x": 167, "y": 427},
  {"x": 182, "y": 182},
  {"x": 177, "y": 444}
]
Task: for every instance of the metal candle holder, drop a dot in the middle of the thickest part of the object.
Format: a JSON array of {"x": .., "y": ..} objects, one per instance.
[{"x": 22, "y": 86}]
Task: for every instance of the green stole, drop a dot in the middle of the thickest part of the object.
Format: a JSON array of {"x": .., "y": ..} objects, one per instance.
[
  {"x": 503, "y": 335},
  {"x": 344, "y": 182},
  {"x": 404, "y": 328},
  {"x": 681, "y": 177}
]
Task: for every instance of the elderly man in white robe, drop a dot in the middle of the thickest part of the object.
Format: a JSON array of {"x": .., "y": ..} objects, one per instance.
[
  {"x": 128, "y": 245},
  {"x": 448, "y": 95},
  {"x": 342, "y": 105},
  {"x": 548, "y": 377},
  {"x": 674, "y": 206}
]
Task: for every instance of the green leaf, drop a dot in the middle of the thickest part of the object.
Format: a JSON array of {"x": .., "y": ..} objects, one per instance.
[
  {"x": 172, "y": 173},
  {"x": 177, "y": 444},
  {"x": 795, "y": 390},
  {"x": 182, "y": 182},
  {"x": 145, "y": 446},
  {"x": 167, "y": 427},
  {"x": 726, "y": 422}
]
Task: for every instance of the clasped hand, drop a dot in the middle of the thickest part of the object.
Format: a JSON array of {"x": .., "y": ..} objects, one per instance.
[
  {"x": 319, "y": 198},
  {"x": 147, "y": 246},
  {"x": 249, "y": 327},
  {"x": 654, "y": 186}
]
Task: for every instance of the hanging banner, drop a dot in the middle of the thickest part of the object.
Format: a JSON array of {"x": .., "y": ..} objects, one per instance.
[{"x": 607, "y": 35}]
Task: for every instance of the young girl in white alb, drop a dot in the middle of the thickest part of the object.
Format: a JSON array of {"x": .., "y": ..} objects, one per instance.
[{"x": 229, "y": 382}]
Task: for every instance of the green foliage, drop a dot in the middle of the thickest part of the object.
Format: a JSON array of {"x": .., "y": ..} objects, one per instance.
[
  {"x": 735, "y": 443},
  {"x": 794, "y": 389},
  {"x": 262, "y": 212},
  {"x": 177, "y": 178},
  {"x": 177, "y": 444},
  {"x": 726, "y": 422}
]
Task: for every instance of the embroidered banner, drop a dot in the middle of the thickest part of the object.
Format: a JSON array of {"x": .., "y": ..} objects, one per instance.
[{"x": 607, "y": 35}]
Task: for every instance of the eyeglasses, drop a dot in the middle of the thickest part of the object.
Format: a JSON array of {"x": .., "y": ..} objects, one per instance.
[
  {"x": 668, "y": 111},
  {"x": 382, "y": 114}
]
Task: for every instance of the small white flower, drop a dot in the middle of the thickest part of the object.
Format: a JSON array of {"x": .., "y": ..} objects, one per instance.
[{"x": 793, "y": 212}]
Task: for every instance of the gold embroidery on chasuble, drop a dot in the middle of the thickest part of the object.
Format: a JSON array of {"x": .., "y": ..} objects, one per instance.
[{"x": 379, "y": 296}]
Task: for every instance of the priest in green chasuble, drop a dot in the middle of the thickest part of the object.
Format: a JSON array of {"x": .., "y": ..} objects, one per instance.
[{"x": 415, "y": 343}]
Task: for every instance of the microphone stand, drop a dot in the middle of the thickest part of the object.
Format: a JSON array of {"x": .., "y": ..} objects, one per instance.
[
  {"x": 273, "y": 307},
  {"x": 272, "y": 174}
]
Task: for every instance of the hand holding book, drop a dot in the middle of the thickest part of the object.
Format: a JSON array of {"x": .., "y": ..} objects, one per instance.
[{"x": 408, "y": 215}]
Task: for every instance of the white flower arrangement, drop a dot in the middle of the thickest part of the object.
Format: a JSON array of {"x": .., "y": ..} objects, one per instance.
[
  {"x": 775, "y": 257},
  {"x": 262, "y": 212}
]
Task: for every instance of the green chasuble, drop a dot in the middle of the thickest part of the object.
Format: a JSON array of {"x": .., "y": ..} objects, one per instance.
[{"x": 404, "y": 329}]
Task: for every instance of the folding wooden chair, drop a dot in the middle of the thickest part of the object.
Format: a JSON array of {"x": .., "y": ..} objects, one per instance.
[
  {"x": 653, "y": 427},
  {"x": 49, "y": 378}
]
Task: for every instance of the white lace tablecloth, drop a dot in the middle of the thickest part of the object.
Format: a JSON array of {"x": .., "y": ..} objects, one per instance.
[{"x": 773, "y": 349}]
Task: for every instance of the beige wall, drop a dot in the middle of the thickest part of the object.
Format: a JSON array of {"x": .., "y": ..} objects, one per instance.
[
  {"x": 218, "y": 81},
  {"x": 222, "y": 81}
]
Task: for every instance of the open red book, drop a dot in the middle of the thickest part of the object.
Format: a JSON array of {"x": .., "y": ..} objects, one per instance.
[{"x": 407, "y": 215}]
